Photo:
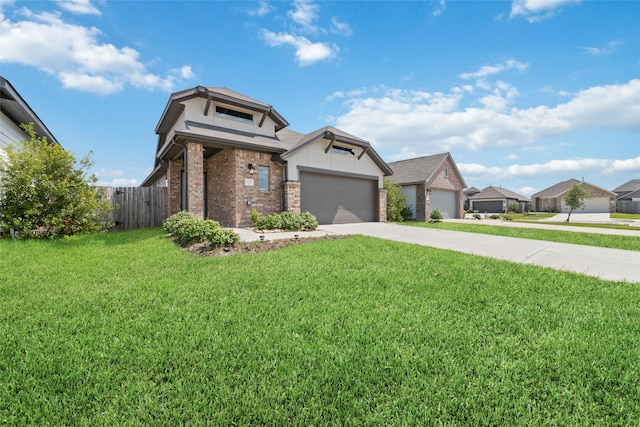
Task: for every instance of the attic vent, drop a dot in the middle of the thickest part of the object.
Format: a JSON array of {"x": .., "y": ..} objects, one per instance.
[{"x": 233, "y": 114}]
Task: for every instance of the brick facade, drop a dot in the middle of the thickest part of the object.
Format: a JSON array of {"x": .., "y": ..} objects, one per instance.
[
  {"x": 382, "y": 205},
  {"x": 195, "y": 179},
  {"x": 292, "y": 196}
]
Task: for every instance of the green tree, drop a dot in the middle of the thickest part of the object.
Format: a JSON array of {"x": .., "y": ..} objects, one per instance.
[
  {"x": 396, "y": 201},
  {"x": 46, "y": 193},
  {"x": 575, "y": 198}
]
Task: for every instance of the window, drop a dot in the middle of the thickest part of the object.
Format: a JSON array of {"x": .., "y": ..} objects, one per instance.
[
  {"x": 343, "y": 150},
  {"x": 233, "y": 114},
  {"x": 263, "y": 178}
]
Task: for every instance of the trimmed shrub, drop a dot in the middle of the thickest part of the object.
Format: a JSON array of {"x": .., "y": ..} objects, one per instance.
[
  {"x": 436, "y": 215},
  {"x": 288, "y": 221},
  {"x": 187, "y": 228},
  {"x": 494, "y": 216}
]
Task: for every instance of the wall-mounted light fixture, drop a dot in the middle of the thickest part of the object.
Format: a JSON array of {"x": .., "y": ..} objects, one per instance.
[{"x": 251, "y": 168}]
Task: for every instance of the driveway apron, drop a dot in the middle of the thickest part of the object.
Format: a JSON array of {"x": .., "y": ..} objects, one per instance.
[{"x": 604, "y": 263}]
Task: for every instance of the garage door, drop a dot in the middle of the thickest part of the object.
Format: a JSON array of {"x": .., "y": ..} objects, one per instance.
[
  {"x": 410, "y": 192},
  {"x": 595, "y": 205},
  {"x": 488, "y": 206},
  {"x": 337, "y": 199},
  {"x": 446, "y": 201}
]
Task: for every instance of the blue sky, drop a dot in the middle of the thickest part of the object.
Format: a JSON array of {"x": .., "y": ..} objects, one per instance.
[{"x": 524, "y": 94}]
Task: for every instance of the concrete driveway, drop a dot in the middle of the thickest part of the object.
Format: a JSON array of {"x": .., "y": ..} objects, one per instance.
[
  {"x": 581, "y": 217},
  {"x": 604, "y": 263}
]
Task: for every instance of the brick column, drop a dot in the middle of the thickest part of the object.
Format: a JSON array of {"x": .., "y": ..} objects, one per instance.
[
  {"x": 382, "y": 205},
  {"x": 174, "y": 172},
  {"x": 195, "y": 180},
  {"x": 292, "y": 196}
]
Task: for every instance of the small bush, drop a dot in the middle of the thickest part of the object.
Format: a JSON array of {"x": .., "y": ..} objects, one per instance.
[
  {"x": 288, "y": 221},
  {"x": 494, "y": 216},
  {"x": 187, "y": 228},
  {"x": 477, "y": 216},
  {"x": 507, "y": 217},
  {"x": 436, "y": 215}
]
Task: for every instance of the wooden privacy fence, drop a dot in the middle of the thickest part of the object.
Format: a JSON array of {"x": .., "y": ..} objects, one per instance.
[
  {"x": 627, "y": 206},
  {"x": 137, "y": 207}
]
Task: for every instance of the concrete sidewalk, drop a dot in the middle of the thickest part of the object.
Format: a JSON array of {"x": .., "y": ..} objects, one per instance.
[
  {"x": 634, "y": 232},
  {"x": 604, "y": 263}
]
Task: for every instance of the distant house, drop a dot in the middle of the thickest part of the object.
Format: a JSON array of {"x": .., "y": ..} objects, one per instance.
[
  {"x": 222, "y": 154},
  {"x": 469, "y": 192},
  {"x": 628, "y": 190},
  {"x": 552, "y": 199},
  {"x": 430, "y": 182},
  {"x": 497, "y": 200},
  {"x": 628, "y": 197}
]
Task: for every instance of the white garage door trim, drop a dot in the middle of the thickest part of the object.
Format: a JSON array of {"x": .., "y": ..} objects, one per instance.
[
  {"x": 444, "y": 200},
  {"x": 595, "y": 205}
]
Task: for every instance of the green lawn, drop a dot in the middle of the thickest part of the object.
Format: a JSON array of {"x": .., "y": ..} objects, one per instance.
[
  {"x": 127, "y": 329},
  {"x": 484, "y": 226}
]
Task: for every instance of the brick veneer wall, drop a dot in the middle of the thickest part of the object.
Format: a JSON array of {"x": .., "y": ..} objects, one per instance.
[
  {"x": 174, "y": 172},
  {"x": 292, "y": 196},
  {"x": 382, "y": 205},
  {"x": 228, "y": 192},
  {"x": 422, "y": 202},
  {"x": 195, "y": 179}
]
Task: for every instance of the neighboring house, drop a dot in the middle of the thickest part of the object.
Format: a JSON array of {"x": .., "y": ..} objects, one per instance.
[
  {"x": 497, "y": 200},
  {"x": 469, "y": 192},
  {"x": 628, "y": 197},
  {"x": 15, "y": 111},
  {"x": 628, "y": 190},
  {"x": 430, "y": 182},
  {"x": 552, "y": 199},
  {"x": 221, "y": 154}
]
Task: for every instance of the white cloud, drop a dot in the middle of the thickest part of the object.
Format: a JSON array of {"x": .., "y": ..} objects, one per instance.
[
  {"x": 81, "y": 7},
  {"x": 425, "y": 123},
  {"x": 606, "y": 50},
  {"x": 304, "y": 14},
  {"x": 537, "y": 10},
  {"x": 263, "y": 9},
  {"x": 566, "y": 167},
  {"x": 439, "y": 8},
  {"x": 307, "y": 52},
  {"x": 489, "y": 70},
  {"x": 75, "y": 55},
  {"x": 338, "y": 27}
]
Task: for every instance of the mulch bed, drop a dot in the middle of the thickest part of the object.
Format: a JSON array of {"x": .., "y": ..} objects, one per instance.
[{"x": 254, "y": 247}]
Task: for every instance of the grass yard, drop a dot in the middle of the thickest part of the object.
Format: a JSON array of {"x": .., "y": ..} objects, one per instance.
[
  {"x": 631, "y": 243},
  {"x": 128, "y": 329}
]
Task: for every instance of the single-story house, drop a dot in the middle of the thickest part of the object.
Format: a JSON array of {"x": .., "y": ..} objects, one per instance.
[
  {"x": 222, "y": 154},
  {"x": 430, "y": 182},
  {"x": 552, "y": 199},
  {"x": 469, "y": 192},
  {"x": 497, "y": 200},
  {"x": 628, "y": 200}
]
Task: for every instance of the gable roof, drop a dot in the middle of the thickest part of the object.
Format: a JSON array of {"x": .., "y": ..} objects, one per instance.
[
  {"x": 560, "y": 188},
  {"x": 631, "y": 185},
  {"x": 284, "y": 143},
  {"x": 421, "y": 169},
  {"x": 337, "y": 135},
  {"x": 492, "y": 192},
  {"x": 221, "y": 94},
  {"x": 18, "y": 111}
]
